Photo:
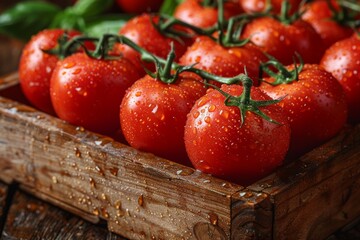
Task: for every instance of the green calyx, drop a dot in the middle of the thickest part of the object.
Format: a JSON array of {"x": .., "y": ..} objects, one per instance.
[
  {"x": 283, "y": 75},
  {"x": 245, "y": 103}
]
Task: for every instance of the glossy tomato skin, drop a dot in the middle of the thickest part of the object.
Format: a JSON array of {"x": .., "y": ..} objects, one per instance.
[
  {"x": 192, "y": 12},
  {"x": 36, "y": 67},
  {"x": 254, "y": 6},
  {"x": 223, "y": 61},
  {"x": 88, "y": 92},
  {"x": 217, "y": 143},
  {"x": 140, "y": 30},
  {"x": 315, "y": 105},
  {"x": 342, "y": 59},
  {"x": 139, "y": 6},
  {"x": 282, "y": 41},
  {"x": 153, "y": 115},
  {"x": 319, "y": 15}
]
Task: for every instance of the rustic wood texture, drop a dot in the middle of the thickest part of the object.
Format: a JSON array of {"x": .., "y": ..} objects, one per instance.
[
  {"x": 30, "y": 218},
  {"x": 318, "y": 193},
  {"x": 4, "y": 191}
]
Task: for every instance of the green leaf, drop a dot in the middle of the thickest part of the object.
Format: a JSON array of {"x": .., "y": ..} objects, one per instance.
[
  {"x": 168, "y": 7},
  {"x": 27, "y": 18},
  {"x": 89, "y": 8},
  {"x": 106, "y": 24}
]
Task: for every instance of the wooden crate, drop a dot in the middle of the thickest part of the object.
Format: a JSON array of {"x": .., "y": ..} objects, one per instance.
[{"x": 142, "y": 196}]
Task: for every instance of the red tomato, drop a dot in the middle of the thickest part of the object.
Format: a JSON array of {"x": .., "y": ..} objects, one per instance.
[
  {"x": 319, "y": 15},
  {"x": 36, "y": 67},
  {"x": 253, "y": 6},
  {"x": 315, "y": 105},
  {"x": 282, "y": 41},
  {"x": 217, "y": 143},
  {"x": 343, "y": 60},
  {"x": 140, "y": 30},
  {"x": 88, "y": 92},
  {"x": 223, "y": 61},
  {"x": 139, "y": 6},
  {"x": 192, "y": 12},
  {"x": 153, "y": 115}
]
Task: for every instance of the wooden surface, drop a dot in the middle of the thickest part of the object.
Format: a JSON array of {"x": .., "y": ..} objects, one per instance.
[{"x": 23, "y": 216}]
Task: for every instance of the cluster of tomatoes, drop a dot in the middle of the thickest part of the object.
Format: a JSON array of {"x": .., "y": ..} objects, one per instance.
[{"x": 239, "y": 132}]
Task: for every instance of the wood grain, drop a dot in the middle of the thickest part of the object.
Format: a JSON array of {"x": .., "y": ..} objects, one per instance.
[
  {"x": 317, "y": 194},
  {"x": 30, "y": 218}
]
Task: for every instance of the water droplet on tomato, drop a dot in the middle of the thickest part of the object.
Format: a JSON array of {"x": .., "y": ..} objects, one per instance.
[
  {"x": 76, "y": 71},
  {"x": 138, "y": 94},
  {"x": 196, "y": 114},
  {"x": 202, "y": 102},
  {"x": 207, "y": 119},
  {"x": 212, "y": 108},
  {"x": 69, "y": 65},
  {"x": 224, "y": 114}
]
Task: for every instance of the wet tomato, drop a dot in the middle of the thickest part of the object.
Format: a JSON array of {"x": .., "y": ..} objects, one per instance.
[
  {"x": 36, "y": 67},
  {"x": 320, "y": 16},
  {"x": 141, "y": 30},
  {"x": 193, "y": 12},
  {"x": 153, "y": 115},
  {"x": 342, "y": 59},
  {"x": 218, "y": 144},
  {"x": 315, "y": 105},
  {"x": 223, "y": 61},
  {"x": 254, "y": 6},
  {"x": 283, "y": 40},
  {"x": 88, "y": 92}
]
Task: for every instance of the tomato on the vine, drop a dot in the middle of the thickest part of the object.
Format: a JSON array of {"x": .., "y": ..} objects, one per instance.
[
  {"x": 255, "y": 6},
  {"x": 141, "y": 31},
  {"x": 224, "y": 61},
  {"x": 283, "y": 40},
  {"x": 193, "y": 12},
  {"x": 153, "y": 115},
  {"x": 321, "y": 17},
  {"x": 36, "y": 67},
  {"x": 88, "y": 92},
  {"x": 342, "y": 59},
  {"x": 315, "y": 105},
  {"x": 218, "y": 143}
]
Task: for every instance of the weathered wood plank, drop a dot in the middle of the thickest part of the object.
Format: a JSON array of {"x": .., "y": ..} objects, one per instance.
[
  {"x": 30, "y": 218},
  {"x": 138, "y": 194},
  {"x": 318, "y": 193},
  {"x": 252, "y": 216}
]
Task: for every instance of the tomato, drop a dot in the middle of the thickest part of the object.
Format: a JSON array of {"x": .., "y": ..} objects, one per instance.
[
  {"x": 315, "y": 105},
  {"x": 192, "y": 12},
  {"x": 319, "y": 15},
  {"x": 88, "y": 92},
  {"x": 139, "y": 6},
  {"x": 283, "y": 40},
  {"x": 153, "y": 115},
  {"x": 36, "y": 67},
  {"x": 140, "y": 30},
  {"x": 253, "y": 6},
  {"x": 217, "y": 143},
  {"x": 342, "y": 59},
  {"x": 223, "y": 61}
]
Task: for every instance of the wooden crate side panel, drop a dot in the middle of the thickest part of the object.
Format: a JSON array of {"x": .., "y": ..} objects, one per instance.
[
  {"x": 139, "y": 195},
  {"x": 299, "y": 189},
  {"x": 252, "y": 216},
  {"x": 323, "y": 208}
]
